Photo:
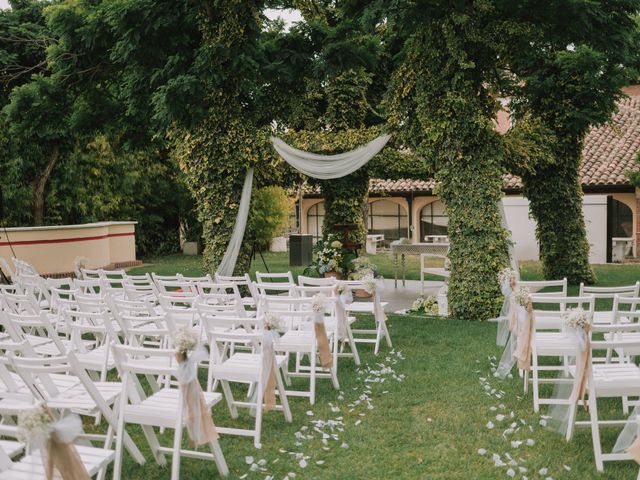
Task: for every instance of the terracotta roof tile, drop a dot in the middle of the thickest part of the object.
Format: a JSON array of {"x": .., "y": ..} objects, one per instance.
[{"x": 609, "y": 152}]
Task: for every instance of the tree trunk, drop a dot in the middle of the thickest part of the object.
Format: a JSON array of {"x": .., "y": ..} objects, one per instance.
[
  {"x": 555, "y": 197},
  {"x": 345, "y": 201},
  {"x": 40, "y": 184}
]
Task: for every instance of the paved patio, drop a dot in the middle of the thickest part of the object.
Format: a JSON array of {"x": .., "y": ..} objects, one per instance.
[{"x": 403, "y": 296}]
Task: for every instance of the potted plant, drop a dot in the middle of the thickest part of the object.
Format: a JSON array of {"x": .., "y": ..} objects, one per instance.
[{"x": 361, "y": 268}]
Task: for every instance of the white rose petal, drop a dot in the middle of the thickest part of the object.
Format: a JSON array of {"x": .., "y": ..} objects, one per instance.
[
  {"x": 482, "y": 451},
  {"x": 511, "y": 472},
  {"x": 490, "y": 425},
  {"x": 543, "y": 471},
  {"x": 567, "y": 468},
  {"x": 531, "y": 442},
  {"x": 303, "y": 463},
  {"x": 248, "y": 460}
]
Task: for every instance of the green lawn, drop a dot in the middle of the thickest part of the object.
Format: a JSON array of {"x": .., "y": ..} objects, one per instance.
[{"x": 429, "y": 425}]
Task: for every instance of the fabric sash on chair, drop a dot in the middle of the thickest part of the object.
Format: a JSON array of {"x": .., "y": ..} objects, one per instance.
[
  {"x": 197, "y": 416},
  {"x": 269, "y": 369},
  {"x": 326, "y": 359}
]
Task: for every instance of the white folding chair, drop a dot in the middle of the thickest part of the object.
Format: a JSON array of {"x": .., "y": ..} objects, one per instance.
[
  {"x": 242, "y": 282},
  {"x": 300, "y": 338},
  {"x": 139, "y": 287},
  {"x": 363, "y": 335},
  {"x": 162, "y": 408},
  {"x": 286, "y": 277},
  {"x": 85, "y": 397},
  {"x": 30, "y": 467},
  {"x": 549, "y": 340},
  {"x": 609, "y": 380},
  {"x": 607, "y": 316},
  {"x": 230, "y": 366}
]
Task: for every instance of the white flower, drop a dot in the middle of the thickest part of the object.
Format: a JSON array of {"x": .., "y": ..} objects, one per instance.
[
  {"x": 319, "y": 303},
  {"x": 576, "y": 318},
  {"x": 274, "y": 323},
  {"x": 521, "y": 296},
  {"x": 185, "y": 339},
  {"x": 34, "y": 426},
  {"x": 506, "y": 275},
  {"x": 369, "y": 284}
]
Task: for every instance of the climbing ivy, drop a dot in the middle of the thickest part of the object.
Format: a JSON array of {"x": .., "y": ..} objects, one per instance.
[{"x": 442, "y": 107}]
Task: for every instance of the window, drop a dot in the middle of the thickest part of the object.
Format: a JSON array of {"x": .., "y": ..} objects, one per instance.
[
  {"x": 433, "y": 220},
  {"x": 621, "y": 220},
  {"x": 315, "y": 219},
  {"x": 388, "y": 218}
]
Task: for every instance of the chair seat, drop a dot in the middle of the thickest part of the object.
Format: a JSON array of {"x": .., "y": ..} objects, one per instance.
[
  {"x": 554, "y": 344},
  {"x": 295, "y": 341},
  {"x": 95, "y": 359},
  {"x": 363, "y": 307},
  {"x": 615, "y": 379},
  {"x": 78, "y": 400},
  {"x": 243, "y": 367},
  {"x": 161, "y": 408},
  {"x": 31, "y": 468}
]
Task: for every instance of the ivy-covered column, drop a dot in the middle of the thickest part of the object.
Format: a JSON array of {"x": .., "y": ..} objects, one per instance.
[
  {"x": 345, "y": 201},
  {"x": 442, "y": 108},
  {"x": 555, "y": 197}
]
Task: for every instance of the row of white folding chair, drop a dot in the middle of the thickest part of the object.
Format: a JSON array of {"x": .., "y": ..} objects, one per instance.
[
  {"x": 228, "y": 364},
  {"x": 242, "y": 282},
  {"x": 63, "y": 384},
  {"x": 22, "y": 267}
]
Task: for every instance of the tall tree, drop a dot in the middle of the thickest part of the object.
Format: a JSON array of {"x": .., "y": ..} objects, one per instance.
[
  {"x": 568, "y": 75},
  {"x": 443, "y": 105}
]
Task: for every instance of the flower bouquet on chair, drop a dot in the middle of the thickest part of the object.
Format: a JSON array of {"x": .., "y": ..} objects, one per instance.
[{"x": 362, "y": 268}]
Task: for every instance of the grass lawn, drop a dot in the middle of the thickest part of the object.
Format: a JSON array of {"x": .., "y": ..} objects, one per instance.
[{"x": 429, "y": 425}]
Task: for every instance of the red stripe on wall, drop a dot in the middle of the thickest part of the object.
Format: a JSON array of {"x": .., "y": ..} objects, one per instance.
[{"x": 65, "y": 240}]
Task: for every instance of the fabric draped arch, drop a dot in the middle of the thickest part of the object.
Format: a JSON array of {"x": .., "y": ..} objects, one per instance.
[{"x": 323, "y": 167}]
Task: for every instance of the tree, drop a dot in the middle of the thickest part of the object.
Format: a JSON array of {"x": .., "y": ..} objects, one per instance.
[
  {"x": 443, "y": 107},
  {"x": 568, "y": 75}
]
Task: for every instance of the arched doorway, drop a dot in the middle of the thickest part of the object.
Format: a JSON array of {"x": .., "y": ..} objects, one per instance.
[
  {"x": 389, "y": 219},
  {"x": 433, "y": 220}
]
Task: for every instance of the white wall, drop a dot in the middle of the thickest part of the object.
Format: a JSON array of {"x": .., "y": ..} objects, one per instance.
[{"x": 523, "y": 228}]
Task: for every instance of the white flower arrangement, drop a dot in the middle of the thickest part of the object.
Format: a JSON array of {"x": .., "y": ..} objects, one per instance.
[
  {"x": 369, "y": 284},
  {"x": 506, "y": 275},
  {"x": 521, "y": 296},
  {"x": 273, "y": 323},
  {"x": 428, "y": 306},
  {"x": 447, "y": 264},
  {"x": 34, "y": 426},
  {"x": 343, "y": 288},
  {"x": 185, "y": 339},
  {"x": 576, "y": 318},
  {"x": 319, "y": 303}
]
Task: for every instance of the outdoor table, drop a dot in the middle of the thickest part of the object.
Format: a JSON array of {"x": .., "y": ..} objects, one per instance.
[{"x": 402, "y": 249}]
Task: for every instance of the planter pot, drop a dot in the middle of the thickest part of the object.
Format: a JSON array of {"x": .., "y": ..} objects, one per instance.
[
  {"x": 361, "y": 293},
  {"x": 335, "y": 275}
]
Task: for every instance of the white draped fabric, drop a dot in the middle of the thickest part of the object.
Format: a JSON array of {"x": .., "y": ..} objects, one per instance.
[
  {"x": 323, "y": 167},
  {"x": 228, "y": 262}
]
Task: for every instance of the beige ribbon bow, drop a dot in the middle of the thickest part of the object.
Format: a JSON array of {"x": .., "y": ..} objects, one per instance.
[
  {"x": 326, "y": 359},
  {"x": 523, "y": 342},
  {"x": 197, "y": 416},
  {"x": 634, "y": 450},
  {"x": 61, "y": 454},
  {"x": 269, "y": 369},
  {"x": 583, "y": 365}
]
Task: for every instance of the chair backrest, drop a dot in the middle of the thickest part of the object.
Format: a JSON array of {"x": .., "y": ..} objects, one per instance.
[
  {"x": 225, "y": 297},
  {"x": 90, "y": 274},
  {"x": 21, "y": 302},
  {"x": 625, "y": 309},
  {"x": 548, "y": 310},
  {"x": 92, "y": 303},
  {"x": 309, "y": 291},
  {"x": 286, "y": 277},
  {"x": 223, "y": 330},
  {"x": 179, "y": 287},
  {"x": 552, "y": 288},
  {"x": 36, "y": 286},
  {"x": 196, "y": 280},
  {"x": 91, "y": 286},
  {"x": 138, "y": 287},
  {"x": 10, "y": 288},
  {"x": 63, "y": 299},
  {"x": 181, "y": 310},
  {"x": 611, "y": 292},
  {"x": 316, "y": 282},
  {"x": 275, "y": 289},
  {"x": 96, "y": 324},
  {"x": 295, "y": 313},
  {"x": 135, "y": 361}
]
